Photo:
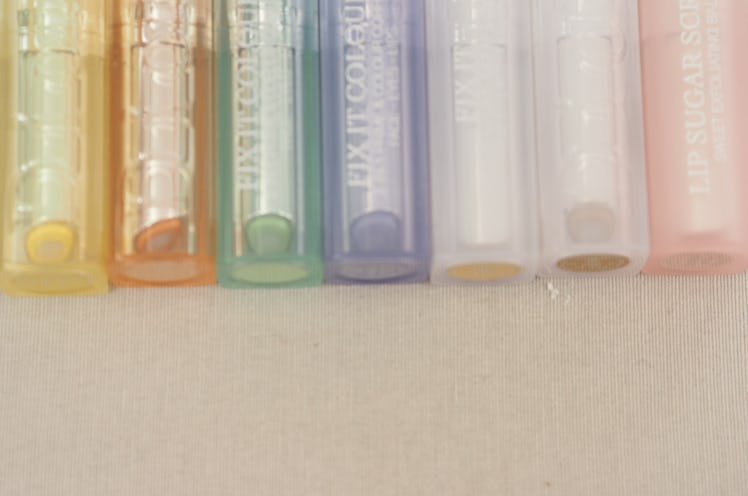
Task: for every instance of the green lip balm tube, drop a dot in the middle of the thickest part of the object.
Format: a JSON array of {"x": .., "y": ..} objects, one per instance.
[{"x": 269, "y": 227}]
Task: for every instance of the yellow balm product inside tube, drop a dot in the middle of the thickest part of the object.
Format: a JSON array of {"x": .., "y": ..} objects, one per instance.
[{"x": 53, "y": 165}]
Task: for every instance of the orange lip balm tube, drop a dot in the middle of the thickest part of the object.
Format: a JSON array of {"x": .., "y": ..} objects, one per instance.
[{"x": 162, "y": 143}]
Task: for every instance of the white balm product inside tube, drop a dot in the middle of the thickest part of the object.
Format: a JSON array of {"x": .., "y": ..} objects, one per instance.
[
  {"x": 483, "y": 169},
  {"x": 590, "y": 137}
]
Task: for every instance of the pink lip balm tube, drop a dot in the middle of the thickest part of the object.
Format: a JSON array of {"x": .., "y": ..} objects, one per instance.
[{"x": 693, "y": 64}]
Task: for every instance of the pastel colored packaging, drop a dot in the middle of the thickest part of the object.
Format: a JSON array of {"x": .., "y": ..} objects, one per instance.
[
  {"x": 376, "y": 193},
  {"x": 162, "y": 143},
  {"x": 694, "y": 71},
  {"x": 53, "y": 163},
  {"x": 269, "y": 210},
  {"x": 482, "y": 141}
]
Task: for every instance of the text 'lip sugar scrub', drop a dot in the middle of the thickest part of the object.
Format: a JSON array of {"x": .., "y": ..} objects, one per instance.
[
  {"x": 482, "y": 139},
  {"x": 375, "y": 140},
  {"x": 162, "y": 142},
  {"x": 694, "y": 73},
  {"x": 269, "y": 218},
  {"x": 593, "y": 192},
  {"x": 52, "y": 131}
]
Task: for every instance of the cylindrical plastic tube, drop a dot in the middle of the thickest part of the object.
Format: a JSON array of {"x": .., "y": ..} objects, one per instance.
[
  {"x": 590, "y": 138},
  {"x": 694, "y": 72},
  {"x": 483, "y": 174},
  {"x": 269, "y": 218},
  {"x": 162, "y": 135},
  {"x": 7, "y": 46},
  {"x": 375, "y": 147},
  {"x": 53, "y": 158}
]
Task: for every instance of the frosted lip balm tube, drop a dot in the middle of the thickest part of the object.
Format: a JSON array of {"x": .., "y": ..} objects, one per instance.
[
  {"x": 52, "y": 160},
  {"x": 162, "y": 135},
  {"x": 593, "y": 198},
  {"x": 374, "y": 141},
  {"x": 694, "y": 72},
  {"x": 483, "y": 174},
  {"x": 269, "y": 218}
]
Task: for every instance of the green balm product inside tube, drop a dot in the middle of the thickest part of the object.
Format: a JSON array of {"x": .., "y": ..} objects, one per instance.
[{"x": 268, "y": 143}]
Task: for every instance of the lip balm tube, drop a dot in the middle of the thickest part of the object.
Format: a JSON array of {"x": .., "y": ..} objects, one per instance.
[
  {"x": 53, "y": 155},
  {"x": 483, "y": 174},
  {"x": 375, "y": 141},
  {"x": 694, "y": 69},
  {"x": 162, "y": 143},
  {"x": 590, "y": 138},
  {"x": 269, "y": 218},
  {"x": 7, "y": 51}
]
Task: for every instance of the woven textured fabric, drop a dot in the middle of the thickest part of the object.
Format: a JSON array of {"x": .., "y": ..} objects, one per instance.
[{"x": 630, "y": 387}]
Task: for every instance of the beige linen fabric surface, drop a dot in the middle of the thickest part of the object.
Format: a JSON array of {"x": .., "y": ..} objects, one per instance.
[{"x": 634, "y": 387}]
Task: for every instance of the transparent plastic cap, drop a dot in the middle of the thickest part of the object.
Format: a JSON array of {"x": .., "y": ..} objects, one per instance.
[
  {"x": 53, "y": 172},
  {"x": 481, "y": 112},
  {"x": 375, "y": 146},
  {"x": 269, "y": 151},
  {"x": 162, "y": 136},
  {"x": 590, "y": 137}
]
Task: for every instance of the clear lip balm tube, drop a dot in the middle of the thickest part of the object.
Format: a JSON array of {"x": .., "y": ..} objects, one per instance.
[
  {"x": 694, "y": 72},
  {"x": 590, "y": 138},
  {"x": 483, "y": 174},
  {"x": 162, "y": 135},
  {"x": 375, "y": 147},
  {"x": 52, "y": 158},
  {"x": 269, "y": 143}
]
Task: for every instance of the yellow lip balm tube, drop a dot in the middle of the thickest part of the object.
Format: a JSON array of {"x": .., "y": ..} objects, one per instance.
[{"x": 53, "y": 147}]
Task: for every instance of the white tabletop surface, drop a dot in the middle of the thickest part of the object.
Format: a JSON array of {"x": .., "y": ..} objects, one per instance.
[{"x": 630, "y": 387}]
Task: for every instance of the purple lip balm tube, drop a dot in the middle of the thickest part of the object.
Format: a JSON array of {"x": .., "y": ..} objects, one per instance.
[{"x": 375, "y": 150}]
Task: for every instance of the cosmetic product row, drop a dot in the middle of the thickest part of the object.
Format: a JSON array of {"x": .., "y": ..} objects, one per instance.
[{"x": 274, "y": 143}]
